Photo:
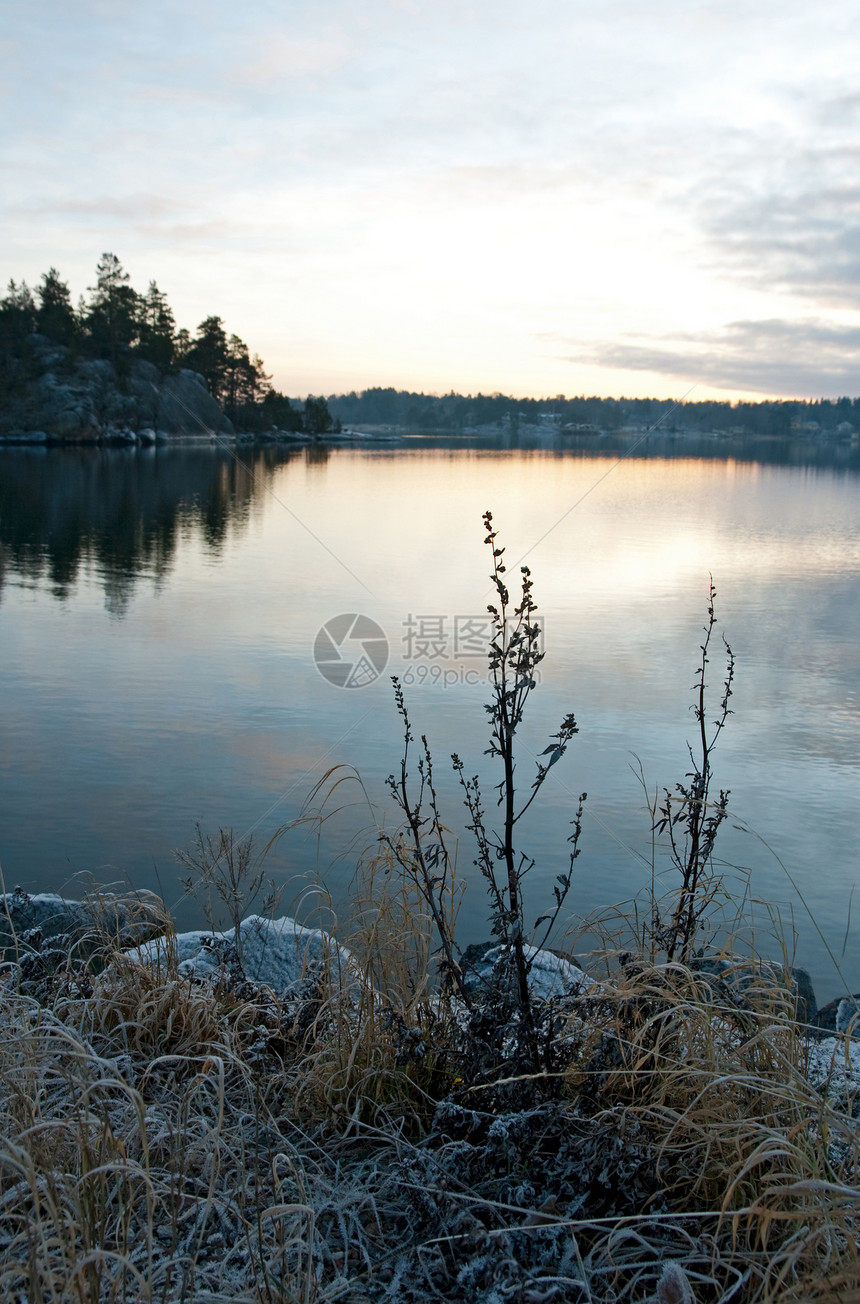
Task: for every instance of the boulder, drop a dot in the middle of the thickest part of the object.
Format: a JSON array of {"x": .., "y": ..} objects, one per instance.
[
  {"x": 745, "y": 977},
  {"x": 848, "y": 1017},
  {"x": 276, "y": 953},
  {"x": 549, "y": 974},
  {"x": 120, "y": 435},
  {"x": 807, "y": 1007},
  {"x": 835, "y": 1016}
]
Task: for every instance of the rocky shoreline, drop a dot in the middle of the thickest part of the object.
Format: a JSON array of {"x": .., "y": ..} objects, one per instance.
[
  {"x": 45, "y": 934},
  {"x": 78, "y": 401},
  {"x": 84, "y": 401}
]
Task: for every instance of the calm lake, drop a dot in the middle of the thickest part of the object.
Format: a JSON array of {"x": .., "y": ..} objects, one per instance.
[{"x": 160, "y": 610}]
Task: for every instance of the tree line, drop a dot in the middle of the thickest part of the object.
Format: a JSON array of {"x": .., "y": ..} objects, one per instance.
[
  {"x": 780, "y": 418},
  {"x": 117, "y": 323}
]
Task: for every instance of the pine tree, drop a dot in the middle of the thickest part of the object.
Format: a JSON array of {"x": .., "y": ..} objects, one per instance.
[
  {"x": 113, "y": 314},
  {"x": 55, "y": 316},
  {"x": 209, "y": 354},
  {"x": 156, "y": 328}
]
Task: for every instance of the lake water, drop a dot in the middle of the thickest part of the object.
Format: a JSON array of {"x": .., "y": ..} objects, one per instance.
[{"x": 159, "y": 611}]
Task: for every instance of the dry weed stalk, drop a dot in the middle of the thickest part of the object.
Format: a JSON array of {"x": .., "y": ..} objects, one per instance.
[{"x": 422, "y": 848}]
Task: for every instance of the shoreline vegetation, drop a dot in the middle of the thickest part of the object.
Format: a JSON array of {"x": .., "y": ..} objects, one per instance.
[
  {"x": 115, "y": 369},
  {"x": 275, "y": 1112}
]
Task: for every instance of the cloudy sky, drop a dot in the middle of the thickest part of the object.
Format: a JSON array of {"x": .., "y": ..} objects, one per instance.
[{"x": 538, "y": 198}]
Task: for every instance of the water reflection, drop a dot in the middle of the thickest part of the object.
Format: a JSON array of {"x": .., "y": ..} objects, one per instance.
[
  {"x": 122, "y": 512},
  {"x": 201, "y": 700}
]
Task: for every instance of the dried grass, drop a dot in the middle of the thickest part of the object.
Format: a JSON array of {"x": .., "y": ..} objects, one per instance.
[
  {"x": 717, "y": 1091},
  {"x": 163, "y": 1139}
]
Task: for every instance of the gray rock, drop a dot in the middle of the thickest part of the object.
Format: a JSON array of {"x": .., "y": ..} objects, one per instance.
[
  {"x": 141, "y": 370},
  {"x": 828, "y": 1014},
  {"x": 848, "y": 1017},
  {"x": 745, "y": 977},
  {"x": 78, "y": 399},
  {"x": 47, "y": 351},
  {"x": 120, "y": 434},
  {"x": 27, "y": 437},
  {"x": 186, "y": 407},
  {"x": 807, "y": 1007}
]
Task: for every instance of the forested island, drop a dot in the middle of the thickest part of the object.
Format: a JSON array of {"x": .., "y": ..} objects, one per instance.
[
  {"x": 117, "y": 364},
  {"x": 116, "y": 367}
]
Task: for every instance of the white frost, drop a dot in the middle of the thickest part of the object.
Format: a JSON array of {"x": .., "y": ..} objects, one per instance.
[
  {"x": 277, "y": 953},
  {"x": 549, "y": 974},
  {"x": 834, "y": 1065}
]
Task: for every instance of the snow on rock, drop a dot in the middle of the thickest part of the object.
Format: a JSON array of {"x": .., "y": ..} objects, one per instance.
[
  {"x": 549, "y": 974},
  {"x": 848, "y": 1016},
  {"x": 277, "y": 953}
]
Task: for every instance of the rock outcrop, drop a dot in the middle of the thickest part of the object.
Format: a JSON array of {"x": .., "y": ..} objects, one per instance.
[{"x": 84, "y": 400}]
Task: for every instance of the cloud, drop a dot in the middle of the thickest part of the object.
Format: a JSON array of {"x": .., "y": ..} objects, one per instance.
[
  {"x": 835, "y": 110},
  {"x": 655, "y": 173},
  {"x": 779, "y": 205},
  {"x": 169, "y": 217},
  {"x": 315, "y": 57},
  {"x": 182, "y": 96},
  {"x": 786, "y": 358},
  {"x": 805, "y": 239},
  {"x": 489, "y": 183},
  {"x": 131, "y": 207}
]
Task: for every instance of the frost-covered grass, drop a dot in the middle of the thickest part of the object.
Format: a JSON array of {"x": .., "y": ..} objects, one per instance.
[{"x": 166, "y": 1137}]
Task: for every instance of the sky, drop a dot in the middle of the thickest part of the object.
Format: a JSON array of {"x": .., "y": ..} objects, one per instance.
[{"x": 548, "y": 198}]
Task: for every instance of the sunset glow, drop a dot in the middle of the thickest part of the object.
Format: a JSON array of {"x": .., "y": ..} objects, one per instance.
[{"x": 533, "y": 200}]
